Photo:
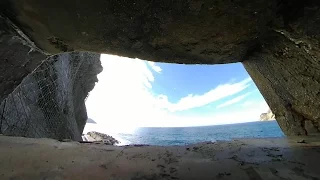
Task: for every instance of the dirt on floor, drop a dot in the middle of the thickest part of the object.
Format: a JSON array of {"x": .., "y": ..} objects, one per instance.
[{"x": 254, "y": 159}]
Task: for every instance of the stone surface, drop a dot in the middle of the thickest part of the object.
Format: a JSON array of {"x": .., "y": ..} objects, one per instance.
[
  {"x": 100, "y": 137},
  {"x": 286, "y": 70},
  {"x": 180, "y": 31},
  {"x": 17, "y": 57},
  {"x": 49, "y": 102},
  {"x": 252, "y": 159}
]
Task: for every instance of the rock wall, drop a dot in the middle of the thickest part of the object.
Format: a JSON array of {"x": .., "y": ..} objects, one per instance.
[
  {"x": 49, "y": 102},
  {"x": 18, "y": 57},
  {"x": 286, "y": 69},
  {"x": 106, "y": 139}
]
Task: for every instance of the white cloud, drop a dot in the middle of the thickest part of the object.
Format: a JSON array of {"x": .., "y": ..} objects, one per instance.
[
  {"x": 123, "y": 99},
  {"x": 154, "y": 66},
  {"x": 221, "y": 91},
  {"x": 234, "y": 100},
  {"x": 240, "y": 115}
]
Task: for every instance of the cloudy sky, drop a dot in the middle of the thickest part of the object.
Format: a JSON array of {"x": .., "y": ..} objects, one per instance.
[{"x": 135, "y": 93}]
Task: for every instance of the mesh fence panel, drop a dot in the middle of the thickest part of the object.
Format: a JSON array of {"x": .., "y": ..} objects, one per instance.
[{"x": 49, "y": 102}]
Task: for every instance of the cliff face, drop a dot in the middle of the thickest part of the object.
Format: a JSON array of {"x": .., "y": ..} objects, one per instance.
[
  {"x": 285, "y": 68},
  {"x": 268, "y": 116},
  {"x": 18, "y": 57},
  {"x": 40, "y": 96},
  {"x": 49, "y": 102}
]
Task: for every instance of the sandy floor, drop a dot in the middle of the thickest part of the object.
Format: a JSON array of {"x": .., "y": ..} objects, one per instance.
[{"x": 255, "y": 159}]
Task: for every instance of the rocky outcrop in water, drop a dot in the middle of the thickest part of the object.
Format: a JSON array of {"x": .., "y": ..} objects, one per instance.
[
  {"x": 50, "y": 101},
  {"x": 100, "y": 137},
  {"x": 268, "y": 116}
]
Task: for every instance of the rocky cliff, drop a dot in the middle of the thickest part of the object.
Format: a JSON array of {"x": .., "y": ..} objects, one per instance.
[
  {"x": 18, "y": 57},
  {"x": 268, "y": 116},
  {"x": 49, "y": 102},
  {"x": 100, "y": 137}
]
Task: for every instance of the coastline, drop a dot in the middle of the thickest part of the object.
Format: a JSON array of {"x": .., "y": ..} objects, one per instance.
[
  {"x": 190, "y": 135},
  {"x": 107, "y": 131},
  {"x": 108, "y": 139},
  {"x": 267, "y": 120}
]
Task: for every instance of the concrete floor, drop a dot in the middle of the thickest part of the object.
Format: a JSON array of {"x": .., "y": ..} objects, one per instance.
[{"x": 254, "y": 159}]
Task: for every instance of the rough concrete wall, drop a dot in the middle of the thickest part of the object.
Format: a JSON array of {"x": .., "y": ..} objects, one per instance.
[
  {"x": 17, "y": 57},
  {"x": 286, "y": 69},
  {"x": 49, "y": 102},
  {"x": 287, "y": 72}
]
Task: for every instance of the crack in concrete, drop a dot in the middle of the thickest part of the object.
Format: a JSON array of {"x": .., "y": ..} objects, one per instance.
[{"x": 300, "y": 43}]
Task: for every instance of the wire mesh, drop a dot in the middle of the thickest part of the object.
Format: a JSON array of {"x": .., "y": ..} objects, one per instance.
[{"x": 49, "y": 102}]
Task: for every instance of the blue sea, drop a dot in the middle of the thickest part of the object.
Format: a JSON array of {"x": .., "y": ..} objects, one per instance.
[{"x": 191, "y": 135}]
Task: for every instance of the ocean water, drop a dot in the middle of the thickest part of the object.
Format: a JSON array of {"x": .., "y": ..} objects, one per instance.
[{"x": 191, "y": 135}]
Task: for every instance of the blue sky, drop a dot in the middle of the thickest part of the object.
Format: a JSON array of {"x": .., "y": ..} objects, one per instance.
[{"x": 135, "y": 93}]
